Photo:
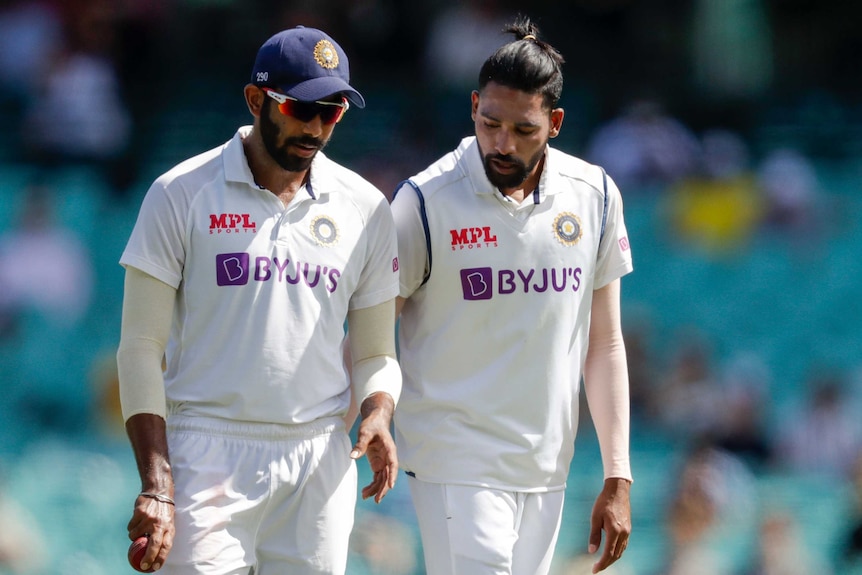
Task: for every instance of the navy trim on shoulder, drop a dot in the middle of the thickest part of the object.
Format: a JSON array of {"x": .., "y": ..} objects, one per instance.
[
  {"x": 425, "y": 227},
  {"x": 604, "y": 205}
]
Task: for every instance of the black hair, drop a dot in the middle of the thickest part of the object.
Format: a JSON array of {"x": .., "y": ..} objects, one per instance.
[{"x": 527, "y": 64}]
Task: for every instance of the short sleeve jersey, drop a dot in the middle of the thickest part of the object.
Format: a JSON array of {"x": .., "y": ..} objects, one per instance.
[
  {"x": 493, "y": 344},
  {"x": 263, "y": 290}
]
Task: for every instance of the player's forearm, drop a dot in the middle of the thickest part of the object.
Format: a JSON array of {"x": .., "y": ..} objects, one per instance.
[
  {"x": 606, "y": 383},
  {"x": 148, "y": 436},
  {"x": 147, "y": 311},
  {"x": 374, "y": 366}
]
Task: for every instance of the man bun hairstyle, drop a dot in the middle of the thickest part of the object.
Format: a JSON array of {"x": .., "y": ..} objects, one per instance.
[{"x": 527, "y": 64}]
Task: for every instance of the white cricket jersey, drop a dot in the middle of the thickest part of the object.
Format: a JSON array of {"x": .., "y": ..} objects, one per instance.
[
  {"x": 263, "y": 290},
  {"x": 493, "y": 345}
]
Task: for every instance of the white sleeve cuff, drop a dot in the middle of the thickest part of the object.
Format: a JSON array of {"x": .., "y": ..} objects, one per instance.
[{"x": 379, "y": 373}]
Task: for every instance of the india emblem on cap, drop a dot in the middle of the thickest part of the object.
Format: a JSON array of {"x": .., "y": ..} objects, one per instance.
[{"x": 325, "y": 54}]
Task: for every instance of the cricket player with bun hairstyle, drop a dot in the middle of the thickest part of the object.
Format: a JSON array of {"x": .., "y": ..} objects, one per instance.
[
  {"x": 243, "y": 266},
  {"x": 511, "y": 254}
]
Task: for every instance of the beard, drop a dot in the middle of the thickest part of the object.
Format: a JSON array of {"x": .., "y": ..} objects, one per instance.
[
  {"x": 281, "y": 153},
  {"x": 521, "y": 169}
]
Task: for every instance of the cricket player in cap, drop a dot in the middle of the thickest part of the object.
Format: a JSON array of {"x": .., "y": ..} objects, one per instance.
[{"x": 243, "y": 266}]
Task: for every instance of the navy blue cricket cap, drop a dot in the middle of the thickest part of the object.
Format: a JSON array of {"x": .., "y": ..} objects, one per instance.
[{"x": 305, "y": 64}]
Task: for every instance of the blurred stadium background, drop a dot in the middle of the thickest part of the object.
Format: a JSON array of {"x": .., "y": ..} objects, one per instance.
[{"x": 734, "y": 128}]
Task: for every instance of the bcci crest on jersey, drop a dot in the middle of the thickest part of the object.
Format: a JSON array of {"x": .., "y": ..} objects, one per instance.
[
  {"x": 568, "y": 229},
  {"x": 324, "y": 231}
]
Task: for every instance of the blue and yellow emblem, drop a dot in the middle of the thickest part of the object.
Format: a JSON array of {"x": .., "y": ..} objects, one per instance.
[
  {"x": 568, "y": 229},
  {"x": 325, "y": 54},
  {"x": 324, "y": 231}
]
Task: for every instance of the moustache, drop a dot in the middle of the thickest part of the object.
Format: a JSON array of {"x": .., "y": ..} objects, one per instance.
[
  {"x": 505, "y": 158},
  {"x": 304, "y": 141}
]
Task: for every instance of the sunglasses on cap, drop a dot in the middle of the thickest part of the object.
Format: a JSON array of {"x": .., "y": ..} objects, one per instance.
[{"x": 329, "y": 112}]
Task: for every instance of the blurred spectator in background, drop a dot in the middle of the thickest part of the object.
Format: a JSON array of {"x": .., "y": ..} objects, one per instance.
[
  {"x": 23, "y": 549},
  {"x": 645, "y": 147},
  {"x": 731, "y": 56},
  {"x": 713, "y": 492},
  {"x": 643, "y": 370},
  {"x": 78, "y": 113},
  {"x": 781, "y": 550},
  {"x": 384, "y": 545},
  {"x": 792, "y": 193},
  {"x": 822, "y": 435},
  {"x": 31, "y": 35},
  {"x": 688, "y": 392},
  {"x": 719, "y": 208},
  {"x": 690, "y": 517},
  {"x": 850, "y": 550},
  {"x": 743, "y": 428},
  {"x": 459, "y": 39},
  {"x": 106, "y": 418},
  {"x": 44, "y": 267}
]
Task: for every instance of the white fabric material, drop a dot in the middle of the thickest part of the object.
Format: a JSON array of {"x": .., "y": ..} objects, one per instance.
[
  {"x": 147, "y": 309},
  {"x": 252, "y": 519},
  {"x": 379, "y": 373},
  {"x": 372, "y": 350},
  {"x": 262, "y": 289},
  {"x": 474, "y": 531},
  {"x": 606, "y": 382},
  {"x": 503, "y": 321}
]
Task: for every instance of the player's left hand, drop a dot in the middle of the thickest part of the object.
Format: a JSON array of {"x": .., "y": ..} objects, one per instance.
[
  {"x": 375, "y": 442},
  {"x": 611, "y": 514}
]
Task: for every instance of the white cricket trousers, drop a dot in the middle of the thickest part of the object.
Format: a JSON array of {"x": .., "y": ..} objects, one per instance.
[
  {"x": 470, "y": 530},
  {"x": 278, "y": 498}
]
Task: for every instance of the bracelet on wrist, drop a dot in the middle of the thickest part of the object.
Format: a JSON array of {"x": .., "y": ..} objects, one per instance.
[{"x": 157, "y": 497}]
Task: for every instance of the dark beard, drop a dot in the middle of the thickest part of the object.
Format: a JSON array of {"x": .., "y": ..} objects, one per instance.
[
  {"x": 516, "y": 178},
  {"x": 281, "y": 154}
]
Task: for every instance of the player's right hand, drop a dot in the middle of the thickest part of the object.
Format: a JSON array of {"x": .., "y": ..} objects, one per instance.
[
  {"x": 611, "y": 514},
  {"x": 375, "y": 442},
  {"x": 154, "y": 519}
]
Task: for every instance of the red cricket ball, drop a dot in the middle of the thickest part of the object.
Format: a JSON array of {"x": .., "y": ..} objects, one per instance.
[{"x": 136, "y": 553}]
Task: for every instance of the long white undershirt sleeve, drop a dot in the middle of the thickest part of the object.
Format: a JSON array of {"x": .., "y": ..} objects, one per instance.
[
  {"x": 372, "y": 351},
  {"x": 148, "y": 307},
  {"x": 606, "y": 382}
]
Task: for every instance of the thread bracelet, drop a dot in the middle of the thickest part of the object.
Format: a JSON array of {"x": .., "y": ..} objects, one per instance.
[{"x": 157, "y": 497}]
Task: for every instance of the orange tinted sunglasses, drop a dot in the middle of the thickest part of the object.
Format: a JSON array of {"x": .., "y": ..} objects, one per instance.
[{"x": 329, "y": 112}]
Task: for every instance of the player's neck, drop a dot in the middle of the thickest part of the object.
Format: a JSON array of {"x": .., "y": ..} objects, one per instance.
[
  {"x": 268, "y": 174},
  {"x": 527, "y": 187}
]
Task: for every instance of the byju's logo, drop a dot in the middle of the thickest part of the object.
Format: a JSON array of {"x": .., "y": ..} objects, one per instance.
[
  {"x": 483, "y": 283},
  {"x": 237, "y": 269},
  {"x": 232, "y": 269},
  {"x": 477, "y": 283}
]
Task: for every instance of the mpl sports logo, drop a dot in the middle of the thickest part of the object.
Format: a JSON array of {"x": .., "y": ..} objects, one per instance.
[
  {"x": 473, "y": 238},
  {"x": 484, "y": 283},
  {"x": 232, "y": 224},
  {"x": 237, "y": 269}
]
